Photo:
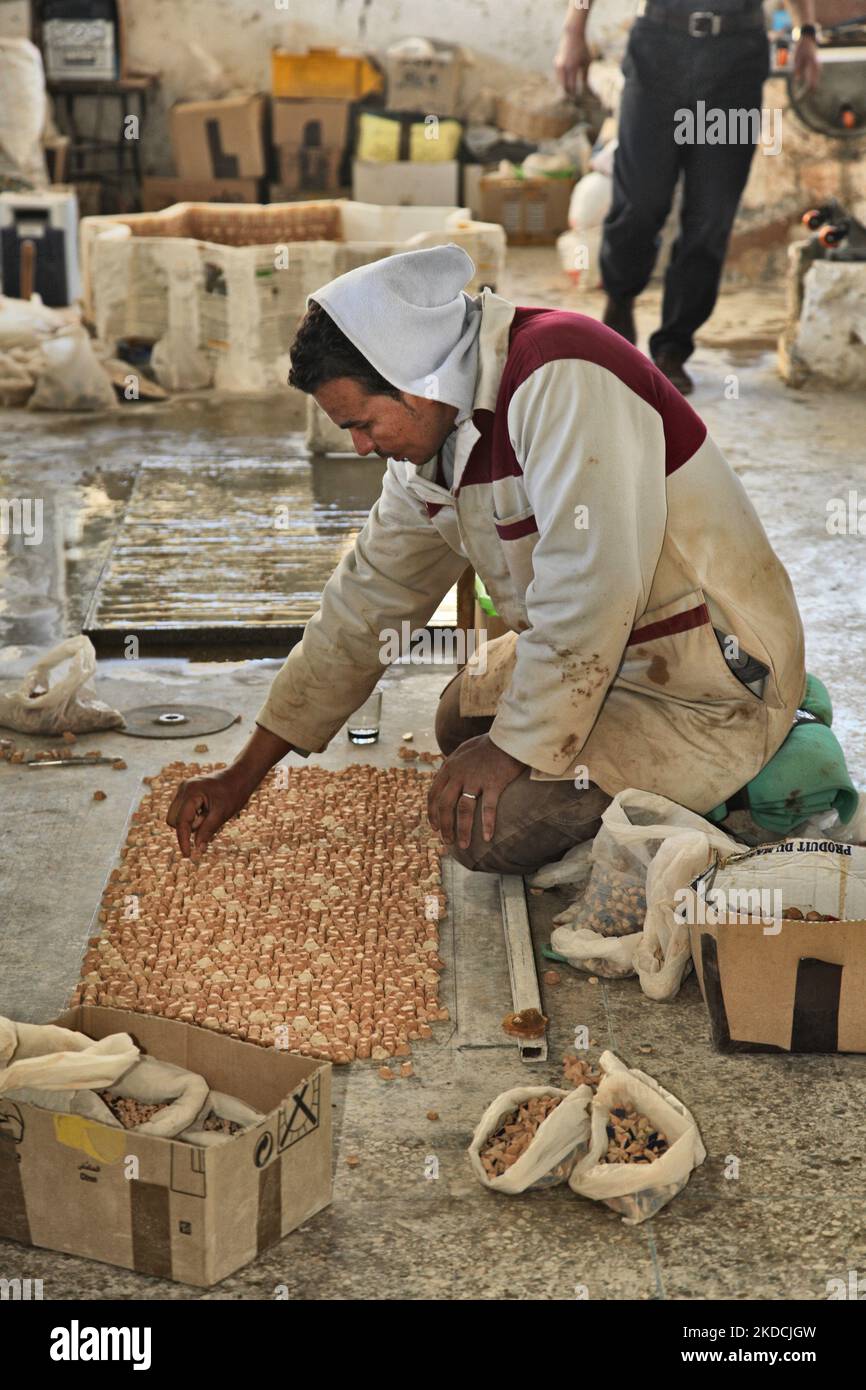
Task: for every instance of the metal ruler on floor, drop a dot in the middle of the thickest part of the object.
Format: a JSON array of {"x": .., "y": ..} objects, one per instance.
[{"x": 521, "y": 961}]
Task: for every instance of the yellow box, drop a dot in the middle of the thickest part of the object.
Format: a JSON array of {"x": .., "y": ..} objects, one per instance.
[{"x": 323, "y": 72}]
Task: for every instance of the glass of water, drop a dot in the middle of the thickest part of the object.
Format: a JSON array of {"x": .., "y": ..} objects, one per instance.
[{"x": 363, "y": 725}]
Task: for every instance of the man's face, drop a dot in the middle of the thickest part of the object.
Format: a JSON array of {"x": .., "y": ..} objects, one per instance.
[{"x": 408, "y": 427}]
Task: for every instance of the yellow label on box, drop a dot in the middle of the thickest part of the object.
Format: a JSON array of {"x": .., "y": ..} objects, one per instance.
[
  {"x": 98, "y": 1141},
  {"x": 432, "y": 141}
]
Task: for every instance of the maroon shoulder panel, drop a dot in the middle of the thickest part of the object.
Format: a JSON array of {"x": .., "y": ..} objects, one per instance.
[{"x": 548, "y": 335}]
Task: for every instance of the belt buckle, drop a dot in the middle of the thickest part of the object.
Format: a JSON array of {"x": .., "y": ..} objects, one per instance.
[{"x": 714, "y": 28}]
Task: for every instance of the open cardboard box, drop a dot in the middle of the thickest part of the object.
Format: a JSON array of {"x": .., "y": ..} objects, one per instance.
[
  {"x": 781, "y": 985},
  {"x": 191, "y": 1214}
]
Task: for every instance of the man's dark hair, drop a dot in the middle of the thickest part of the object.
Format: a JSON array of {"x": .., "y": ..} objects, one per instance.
[{"x": 321, "y": 352}]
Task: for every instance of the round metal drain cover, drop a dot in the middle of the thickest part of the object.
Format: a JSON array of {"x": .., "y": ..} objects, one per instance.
[{"x": 175, "y": 721}]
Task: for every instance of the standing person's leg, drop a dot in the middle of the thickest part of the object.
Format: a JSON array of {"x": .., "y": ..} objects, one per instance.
[
  {"x": 714, "y": 179},
  {"x": 536, "y": 822},
  {"x": 646, "y": 166}
]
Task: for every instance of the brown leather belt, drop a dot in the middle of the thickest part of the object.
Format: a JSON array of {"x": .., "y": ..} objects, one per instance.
[{"x": 703, "y": 24}]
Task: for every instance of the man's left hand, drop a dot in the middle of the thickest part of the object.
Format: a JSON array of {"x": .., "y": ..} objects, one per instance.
[
  {"x": 483, "y": 771},
  {"x": 807, "y": 64}
]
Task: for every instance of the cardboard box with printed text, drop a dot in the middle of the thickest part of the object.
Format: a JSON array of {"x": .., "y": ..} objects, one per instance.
[
  {"x": 772, "y": 984},
  {"x": 179, "y": 1212}
]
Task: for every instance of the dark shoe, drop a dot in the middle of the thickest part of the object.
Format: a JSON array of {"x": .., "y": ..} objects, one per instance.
[
  {"x": 670, "y": 363},
  {"x": 618, "y": 316}
]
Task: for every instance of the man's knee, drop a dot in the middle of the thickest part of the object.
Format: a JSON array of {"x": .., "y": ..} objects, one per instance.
[
  {"x": 451, "y": 727},
  {"x": 536, "y": 824}
]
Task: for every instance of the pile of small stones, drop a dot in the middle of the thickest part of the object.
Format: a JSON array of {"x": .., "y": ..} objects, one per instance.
[
  {"x": 220, "y": 1125},
  {"x": 516, "y": 1132},
  {"x": 130, "y": 1112},
  {"x": 632, "y": 1138},
  {"x": 310, "y": 923},
  {"x": 612, "y": 909},
  {"x": 579, "y": 1072}
]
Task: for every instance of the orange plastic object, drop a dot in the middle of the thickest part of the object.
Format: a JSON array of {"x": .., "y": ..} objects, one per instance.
[
  {"x": 323, "y": 72},
  {"x": 849, "y": 120}
]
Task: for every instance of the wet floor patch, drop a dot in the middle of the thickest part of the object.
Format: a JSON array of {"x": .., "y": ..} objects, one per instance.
[{"x": 207, "y": 553}]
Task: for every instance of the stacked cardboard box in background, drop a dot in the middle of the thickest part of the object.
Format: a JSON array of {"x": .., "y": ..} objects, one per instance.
[
  {"x": 425, "y": 76},
  {"x": 408, "y": 153},
  {"x": 533, "y": 211},
  {"x": 313, "y": 96},
  {"x": 310, "y": 138},
  {"x": 220, "y": 153}
]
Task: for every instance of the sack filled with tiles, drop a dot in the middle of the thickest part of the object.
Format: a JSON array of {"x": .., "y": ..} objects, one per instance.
[
  {"x": 61, "y": 1070},
  {"x": 666, "y": 1148},
  {"x": 155, "y": 1098},
  {"x": 530, "y": 1137},
  {"x": 51, "y": 701},
  {"x": 47, "y": 1062},
  {"x": 220, "y": 1119}
]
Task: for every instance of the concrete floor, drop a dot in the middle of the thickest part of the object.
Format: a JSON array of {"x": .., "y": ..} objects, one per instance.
[{"x": 792, "y": 1219}]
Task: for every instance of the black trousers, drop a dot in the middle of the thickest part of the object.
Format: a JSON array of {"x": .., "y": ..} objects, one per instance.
[{"x": 667, "y": 71}]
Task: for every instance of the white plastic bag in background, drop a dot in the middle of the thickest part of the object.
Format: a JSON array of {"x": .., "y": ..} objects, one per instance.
[
  {"x": 72, "y": 377},
  {"x": 23, "y": 113},
  {"x": 559, "y": 1140},
  {"x": 70, "y": 704},
  {"x": 637, "y": 1190}
]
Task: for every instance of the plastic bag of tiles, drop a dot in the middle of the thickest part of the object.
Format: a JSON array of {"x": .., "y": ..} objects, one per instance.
[
  {"x": 614, "y": 902},
  {"x": 54, "y": 701},
  {"x": 560, "y": 1140},
  {"x": 637, "y": 1190}
]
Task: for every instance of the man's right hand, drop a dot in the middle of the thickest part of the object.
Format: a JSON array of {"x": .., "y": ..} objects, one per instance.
[
  {"x": 572, "y": 60},
  {"x": 202, "y": 805}
]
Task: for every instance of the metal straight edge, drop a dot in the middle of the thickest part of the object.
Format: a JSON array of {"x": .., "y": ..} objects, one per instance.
[{"x": 521, "y": 961}]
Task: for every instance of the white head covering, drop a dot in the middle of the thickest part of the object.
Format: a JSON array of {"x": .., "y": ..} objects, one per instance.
[{"x": 411, "y": 318}]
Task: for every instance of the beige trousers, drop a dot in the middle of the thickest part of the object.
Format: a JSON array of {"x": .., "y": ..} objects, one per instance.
[{"x": 536, "y": 822}]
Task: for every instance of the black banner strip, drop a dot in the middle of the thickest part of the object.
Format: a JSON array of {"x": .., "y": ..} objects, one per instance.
[
  {"x": 816, "y": 1006},
  {"x": 269, "y": 1223},
  {"x": 151, "y": 1229}
]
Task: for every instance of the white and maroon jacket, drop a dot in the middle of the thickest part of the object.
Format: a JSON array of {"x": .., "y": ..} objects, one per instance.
[{"x": 612, "y": 536}]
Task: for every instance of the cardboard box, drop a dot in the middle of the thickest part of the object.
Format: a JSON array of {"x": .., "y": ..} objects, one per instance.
[
  {"x": 219, "y": 139},
  {"x": 157, "y": 194},
  {"x": 532, "y": 211},
  {"x": 406, "y": 183},
  {"x": 312, "y": 123},
  {"x": 430, "y": 85},
  {"x": 310, "y": 139},
  {"x": 772, "y": 984},
  {"x": 192, "y": 1214},
  {"x": 323, "y": 72}
]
